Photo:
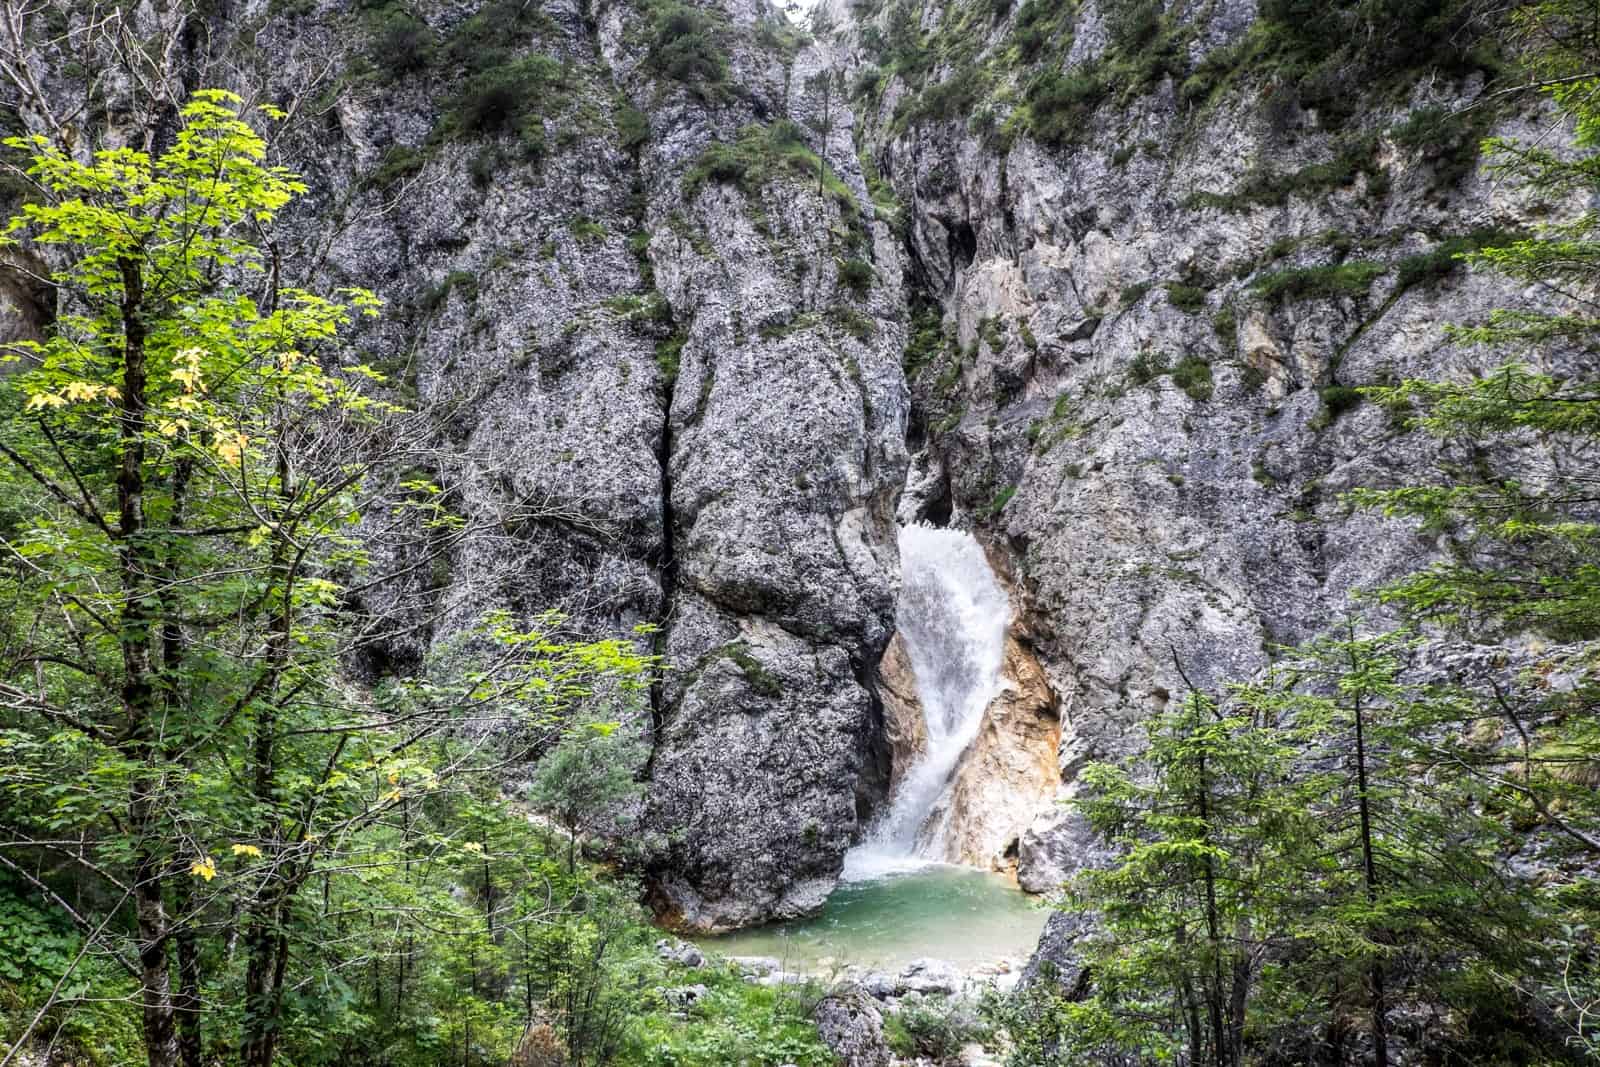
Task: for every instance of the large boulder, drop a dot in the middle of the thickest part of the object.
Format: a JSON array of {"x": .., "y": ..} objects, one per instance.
[{"x": 852, "y": 1026}]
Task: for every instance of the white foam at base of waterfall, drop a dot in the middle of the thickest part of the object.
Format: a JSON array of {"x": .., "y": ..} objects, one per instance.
[{"x": 952, "y": 616}]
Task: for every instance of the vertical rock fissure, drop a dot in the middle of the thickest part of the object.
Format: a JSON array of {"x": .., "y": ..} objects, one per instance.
[{"x": 667, "y": 567}]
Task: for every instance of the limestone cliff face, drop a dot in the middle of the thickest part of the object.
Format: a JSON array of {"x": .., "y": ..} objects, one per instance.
[
  {"x": 685, "y": 377},
  {"x": 631, "y": 263},
  {"x": 905, "y": 725},
  {"x": 1008, "y": 774},
  {"x": 1135, "y": 373}
]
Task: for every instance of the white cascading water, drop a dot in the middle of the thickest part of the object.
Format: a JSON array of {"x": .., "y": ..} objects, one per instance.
[{"x": 952, "y": 615}]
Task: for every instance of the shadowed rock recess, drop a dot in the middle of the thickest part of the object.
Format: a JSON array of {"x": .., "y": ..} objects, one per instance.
[{"x": 717, "y": 303}]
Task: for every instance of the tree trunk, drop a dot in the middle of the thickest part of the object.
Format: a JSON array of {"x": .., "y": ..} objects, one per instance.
[
  {"x": 186, "y": 1006},
  {"x": 160, "y": 1038},
  {"x": 1380, "y": 1025},
  {"x": 1219, "y": 1031},
  {"x": 136, "y": 632}
]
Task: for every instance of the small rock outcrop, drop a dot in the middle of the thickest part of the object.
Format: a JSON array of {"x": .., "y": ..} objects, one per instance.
[
  {"x": 852, "y": 1026},
  {"x": 1009, "y": 772},
  {"x": 904, "y": 720},
  {"x": 1056, "y": 963}
]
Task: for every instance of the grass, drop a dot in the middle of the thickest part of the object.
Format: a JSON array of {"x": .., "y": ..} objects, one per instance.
[
  {"x": 1001, "y": 499},
  {"x": 1320, "y": 283},
  {"x": 1060, "y": 425}
]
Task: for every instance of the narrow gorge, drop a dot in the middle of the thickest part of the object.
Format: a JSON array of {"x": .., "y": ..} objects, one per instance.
[{"x": 821, "y": 469}]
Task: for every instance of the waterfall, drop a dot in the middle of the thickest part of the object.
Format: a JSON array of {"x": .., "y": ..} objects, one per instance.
[{"x": 952, "y": 616}]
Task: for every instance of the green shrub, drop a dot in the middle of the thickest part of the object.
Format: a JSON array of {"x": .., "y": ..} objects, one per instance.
[
  {"x": 633, "y": 128},
  {"x": 853, "y": 322},
  {"x": 1447, "y": 141},
  {"x": 934, "y": 1029},
  {"x": 992, "y": 330},
  {"x": 669, "y": 354},
  {"x": 1447, "y": 256},
  {"x": 683, "y": 47},
  {"x": 1338, "y": 399},
  {"x": 1314, "y": 283},
  {"x": 926, "y": 340},
  {"x": 1186, "y": 298},
  {"x": 1146, "y": 367},
  {"x": 1225, "y": 324},
  {"x": 398, "y": 163},
  {"x": 1060, "y": 104},
  {"x": 1132, "y": 294},
  {"x": 495, "y": 35},
  {"x": 402, "y": 45},
  {"x": 586, "y": 229},
  {"x": 1193, "y": 376},
  {"x": 858, "y": 275},
  {"x": 483, "y": 167},
  {"x": 434, "y": 297},
  {"x": 1001, "y": 499},
  {"x": 1134, "y": 24},
  {"x": 755, "y": 672},
  {"x": 508, "y": 100},
  {"x": 761, "y": 155}
]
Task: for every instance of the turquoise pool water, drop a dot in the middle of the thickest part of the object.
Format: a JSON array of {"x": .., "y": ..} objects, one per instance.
[{"x": 969, "y": 917}]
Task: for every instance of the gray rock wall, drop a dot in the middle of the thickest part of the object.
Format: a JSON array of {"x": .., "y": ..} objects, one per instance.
[
  {"x": 662, "y": 401},
  {"x": 1148, "y": 525}
]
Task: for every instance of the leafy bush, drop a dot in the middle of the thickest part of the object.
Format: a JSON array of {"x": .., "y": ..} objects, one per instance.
[
  {"x": 927, "y": 340},
  {"x": 1447, "y": 141},
  {"x": 398, "y": 163},
  {"x": 633, "y": 128},
  {"x": 1353, "y": 158},
  {"x": 683, "y": 47},
  {"x": 1061, "y": 103},
  {"x": 508, "y": 99},
  {"x": 1132, "y": 294},
  {"x": 401, "y": 45},
  {"x": 858, "y": 275},
  {"x": 1338, "y": 399},
  {"x": 1188, "y": 298},
  {"x": 1146, "y": 367},
  {"x": 734, "y": 1023},
  {"x": 934, "y": 1029},
  {"x": 1225, "y": 324},
  {"x": 761, "y": 155},
  {"x": 1193, "y": 376},
  {"x": 669, "y": 354}
]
